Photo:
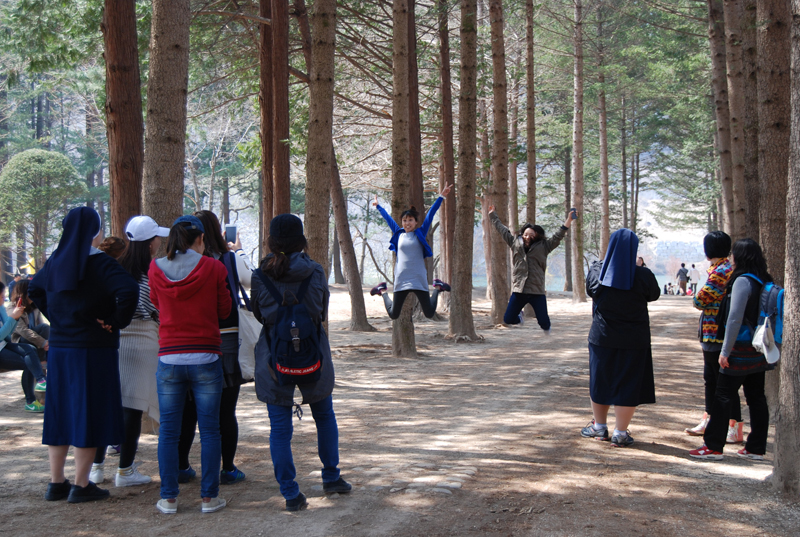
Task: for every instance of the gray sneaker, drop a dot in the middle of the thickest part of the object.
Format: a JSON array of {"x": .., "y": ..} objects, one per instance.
[
  {"x": 590, "y": 432},
  {"x": 618, "y": 440},
  {"x": 213, "y": 505}
]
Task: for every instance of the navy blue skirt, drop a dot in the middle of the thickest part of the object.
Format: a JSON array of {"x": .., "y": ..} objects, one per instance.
[
  {"x": 84, "y": 401},
  {"x": 621, "y": 377}
]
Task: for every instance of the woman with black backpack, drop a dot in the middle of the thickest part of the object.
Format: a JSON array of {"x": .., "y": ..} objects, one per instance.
[
  {"x": 740, "y": 363},
  {"x": 289, "y": 273}
]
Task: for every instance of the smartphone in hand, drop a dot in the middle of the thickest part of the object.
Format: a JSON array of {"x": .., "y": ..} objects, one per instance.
[
  {"x": 19, "y": 302},
  {"x": 573, "y": 213},
  {"x": 230, "y": 233}
]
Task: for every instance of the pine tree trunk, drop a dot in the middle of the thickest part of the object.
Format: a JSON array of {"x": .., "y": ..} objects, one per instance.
[
  {"x": 485, "y": 174},
  {"x": 265, "y": 99},
  {"x": 448, "y": 210},
  {"x": 280, "y": 109},
  {"x": 735, "y": 63},
  {"x": 773, "y": 34},
  {"x": 530, "y": 127},
  {"x": 786, "y": 474},
  {"x": 338, "y": 275},
  {"x": 320, "y": 130},
  {"x": 578, "y": 277},
  {"x": 499, "y": 184},
  {"x": 513, "y": 187},
  {"x": 623, "y": 149},
  {"x": 462, "y": 325},
  {"x": 605, "y": 228},
  {"x": 123, "y": 108},
  {"x": 567, "y": 206},
  {"x": 416, "y": 194},
  {"x": 165, "y": 132},
  {"x": 719, "y": 84},
  {"x": 751, "y": 186},
  {"x": 403, "y": 340},
  {"x": 358, "y": 310}
]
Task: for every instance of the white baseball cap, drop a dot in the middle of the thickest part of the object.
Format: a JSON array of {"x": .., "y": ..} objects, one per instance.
[{"x": 144, "y": 228}]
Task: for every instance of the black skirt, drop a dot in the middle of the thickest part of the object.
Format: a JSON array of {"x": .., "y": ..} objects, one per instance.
[{"x": 622, "y": 377}]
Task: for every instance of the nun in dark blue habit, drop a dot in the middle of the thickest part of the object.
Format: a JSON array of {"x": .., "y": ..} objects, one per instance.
[
  {"x": 620, "y": 359},
  {"x": 88, "y": 297}
]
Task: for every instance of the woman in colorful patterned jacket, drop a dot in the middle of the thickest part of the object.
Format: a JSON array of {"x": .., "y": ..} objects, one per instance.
[{"x": 717, "y": 246}]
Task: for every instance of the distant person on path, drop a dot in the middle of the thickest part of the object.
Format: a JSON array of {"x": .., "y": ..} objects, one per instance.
[
  {"x": 717, "y": 246},
  {"x": 289, "y": 269},
  {"x": 694, "y": 279},
  {"x": 620, "y": 356},
  {"x": 88, "y": 297},
  {"x": 529, "y": 252},
  {"x": 740, "y": 363},
  {"x": 410, "y": 244},
  {"x": 682, "y": 278}
]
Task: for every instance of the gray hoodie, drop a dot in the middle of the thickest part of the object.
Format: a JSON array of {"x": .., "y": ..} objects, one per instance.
[{"x": 265, "y": 310}]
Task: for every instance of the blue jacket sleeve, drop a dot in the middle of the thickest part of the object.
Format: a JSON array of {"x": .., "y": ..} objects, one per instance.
[
  {"x": 8, "y": 324},
  {"x": 426, "y": 225},
  {"x": 389, "y": 220}
]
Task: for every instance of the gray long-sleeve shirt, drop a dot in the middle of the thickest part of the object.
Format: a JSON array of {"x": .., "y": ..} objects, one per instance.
[{"x": 740, "y": 294}]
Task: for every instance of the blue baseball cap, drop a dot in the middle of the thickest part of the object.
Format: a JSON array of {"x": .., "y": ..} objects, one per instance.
[{"x": 190, "y": 222}]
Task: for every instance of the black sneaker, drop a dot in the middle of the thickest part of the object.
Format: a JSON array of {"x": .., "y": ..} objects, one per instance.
[
  {"x": 378, "y": 289},
  {"x": 297, "y": 504},
  {"x": 89, "y": 493},
  {"x": 340, "y": 485},
  {"x": 441, "y": 285},
  {"x": 590, "y": 432},
  {"x": 622, "y": 441},
  {"x": 57, "y": 491}
]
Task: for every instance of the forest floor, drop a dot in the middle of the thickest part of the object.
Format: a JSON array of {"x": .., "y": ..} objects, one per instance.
[{"x": 468, "y": 439}]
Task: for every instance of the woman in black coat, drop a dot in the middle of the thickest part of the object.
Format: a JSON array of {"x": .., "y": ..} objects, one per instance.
[{"x": 620, "y": 358}]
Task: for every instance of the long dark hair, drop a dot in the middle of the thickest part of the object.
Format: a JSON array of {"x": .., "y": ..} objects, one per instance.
[
  {"x": 181, "y": 239},
  {"x": 136, "y": 258},
  {"x": 412, "y": 212},
  {"x": 276, "y": 264},
  {"x": 213, "y": 239},
  {"x": 749, "y": 258},
  {"x": 21, "y": 290}
]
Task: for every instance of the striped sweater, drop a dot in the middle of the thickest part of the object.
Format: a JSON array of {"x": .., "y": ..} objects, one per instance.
[{"x": 709, "y": 297}]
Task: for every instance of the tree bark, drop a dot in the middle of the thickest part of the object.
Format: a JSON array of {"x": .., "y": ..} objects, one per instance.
[
  {"x": 719, "y": 84},
  {"x": 773, "y": 34},
  {"x": 567, "y": 205},
  {"x": 786, "y": 474},
  {"x": 338, "y": 275},
  {"x": 403, "y": 340},
  {"x": 462, "y": 325},
  {"x": 513, "y": 188},
  {"x": 605, "y": 227},
  {"x": 736, "y": 94},
  {"x": 578, "y": 277},
  {"x": 319, "y": 163},
  {"x": 165, "y": 133},
  {"x": 416, "y": 194},
  {"x": 447, "y": 175},
  {"x": 530, "y": 127},
  {"x": 499, "y": 184},
  {"x": 124, "y": 122},
  {"x": 265, "y": 99},
  {"x": 751, "y": 186},
  {"x": 624, "y": 148},
  {"x": 485, "y": 178},
  {"x": 280, "y": 111}
]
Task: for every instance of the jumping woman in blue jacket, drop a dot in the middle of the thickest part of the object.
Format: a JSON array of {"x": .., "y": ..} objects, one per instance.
[{"x": 411, "y": 246}]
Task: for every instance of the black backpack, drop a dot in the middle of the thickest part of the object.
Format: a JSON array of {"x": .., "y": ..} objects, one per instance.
[{"x": 295, "y": 353}]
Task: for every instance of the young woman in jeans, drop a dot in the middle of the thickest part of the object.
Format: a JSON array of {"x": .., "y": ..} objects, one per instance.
[
  {"x": 287, "y": 267},
  {"x": 190, "y": 293}
]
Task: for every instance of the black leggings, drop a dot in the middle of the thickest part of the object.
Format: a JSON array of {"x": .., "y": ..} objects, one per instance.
[
  {"x": 427, "y": 302},
  {"x": 710, "y": 376},
  {"x": 228, "y": 428},
  {"x": 132, "y": 420}
]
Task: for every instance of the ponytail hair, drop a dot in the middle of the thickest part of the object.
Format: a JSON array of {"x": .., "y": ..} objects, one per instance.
[
  {"x": 181, "y": 238},
  {"x": 412, "y": 212},
  {"x": 213, "y": 239},
  {"x": 276, "y": 264}
]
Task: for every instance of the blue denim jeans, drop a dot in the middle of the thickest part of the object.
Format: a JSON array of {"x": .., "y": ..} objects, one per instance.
[
  {"x": 280, "y": 444},
  {"x": 518, "y": 301},
  {"x": 21, "y": 356},
  {"x": 173, "y": 381}
]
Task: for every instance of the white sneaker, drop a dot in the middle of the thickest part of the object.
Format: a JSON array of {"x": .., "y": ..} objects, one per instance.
[
  {"x": 167, "y": 507},
  {"x": 215, "y": 504},
  {"x": 548, "y": 332},
  {"x": 130, "y": 477},
  {"x": 521, "y": 319},
  {"x": 97, "y": 476}
]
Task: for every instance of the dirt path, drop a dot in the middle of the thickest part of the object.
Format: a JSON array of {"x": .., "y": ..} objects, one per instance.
[{"x": 468, "y": 439}]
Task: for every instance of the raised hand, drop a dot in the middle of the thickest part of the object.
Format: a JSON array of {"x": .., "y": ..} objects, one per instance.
[
  {"x": 491, "y": 208},
  {"x": 375, "y": 203},
  {"x": 445, "y": 190}
]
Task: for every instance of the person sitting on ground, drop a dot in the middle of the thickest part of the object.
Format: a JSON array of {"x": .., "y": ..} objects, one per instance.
[
  {"x": 529, "y": 252},
  {"x": 32, "y": 328},
  {"x": 13, "y": 283},
  {"x": 717, "y": 245},
  {"x": 113, "y": 246},
  {"x": 20, "y": 356},
  {"x": 289, "y": 270},
  {"x": 740, "y": 363},
  {"x": 620, "y": 356},
  {"x": 410, "y": 273}
]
